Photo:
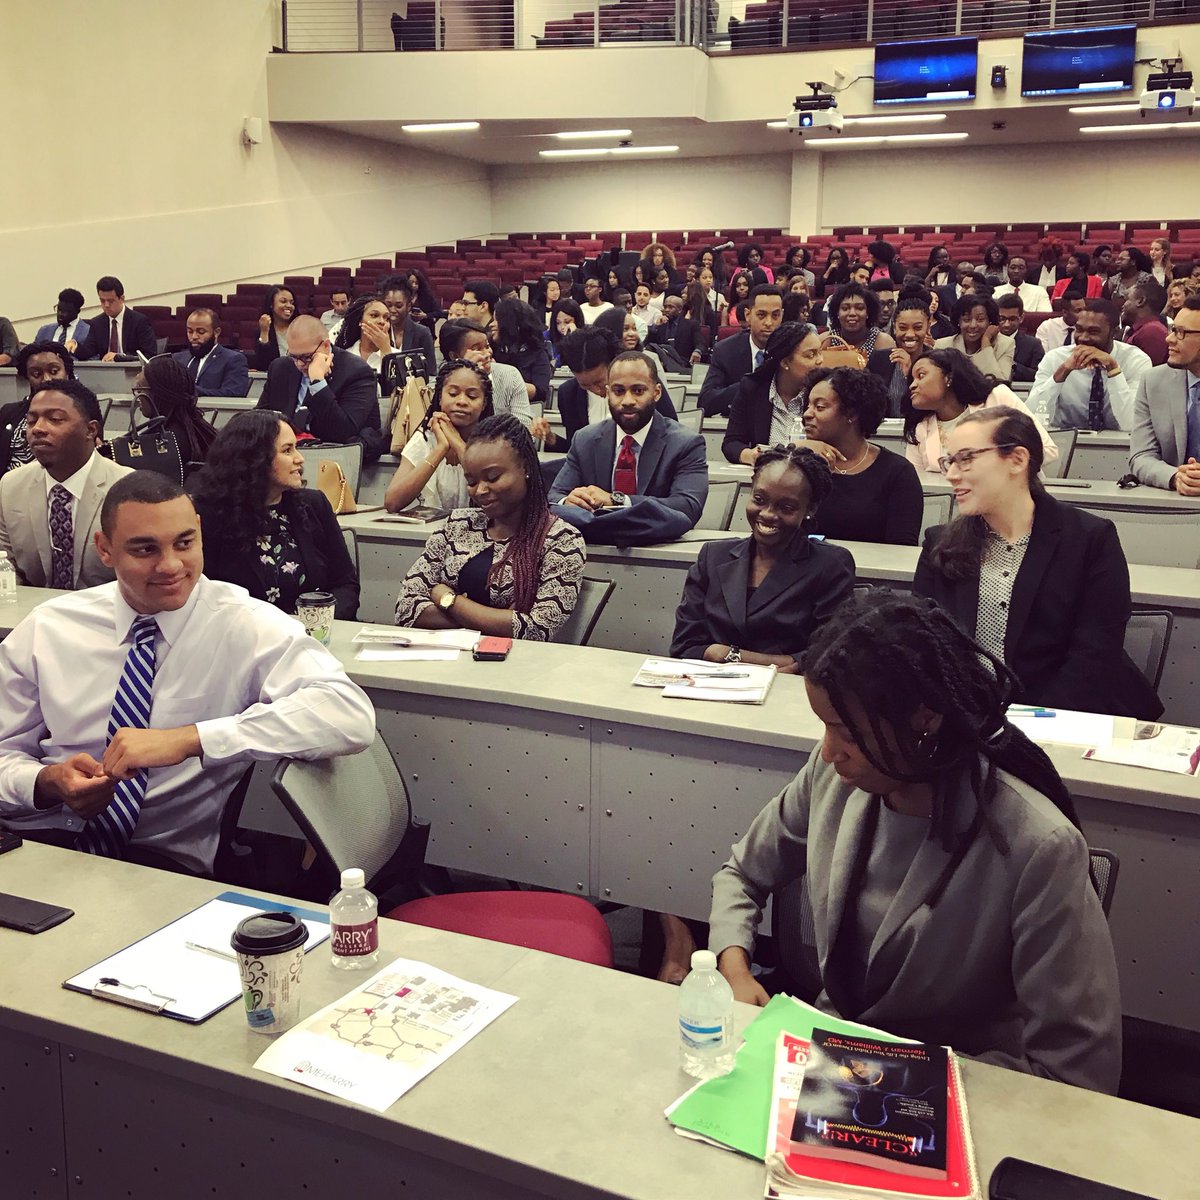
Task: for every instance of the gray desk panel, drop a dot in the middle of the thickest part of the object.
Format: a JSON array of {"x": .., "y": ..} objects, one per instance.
[
  {"x": 12, "y": 389},
  {"x": 31, "y": 1116}
]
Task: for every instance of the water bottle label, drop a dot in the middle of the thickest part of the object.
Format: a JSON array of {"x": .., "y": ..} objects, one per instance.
[
  {"x": 701, "y": 1037},
  {"x": 351, "y": 941}
]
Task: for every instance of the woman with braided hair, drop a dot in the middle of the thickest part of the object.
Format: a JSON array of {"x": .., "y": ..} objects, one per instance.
[
  {"x": 506, "y": 567},
  {"x": 758, "y": 599},
  {"x": 163, "y": 389},
  {"x": 948, "y": 877}
]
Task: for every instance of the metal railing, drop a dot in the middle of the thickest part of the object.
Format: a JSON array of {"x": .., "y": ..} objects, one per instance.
[{"x": 716, "y": 26}]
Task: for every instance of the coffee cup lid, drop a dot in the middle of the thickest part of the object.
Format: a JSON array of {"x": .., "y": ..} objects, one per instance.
[
  {"x": 269, "y": 933},
  {"x": 315, "y": 599}
]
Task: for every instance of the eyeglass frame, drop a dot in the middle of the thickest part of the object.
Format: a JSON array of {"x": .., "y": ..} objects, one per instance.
[
  {"x": 303, "y": 361},
  {"x": 945, "y": 461}
]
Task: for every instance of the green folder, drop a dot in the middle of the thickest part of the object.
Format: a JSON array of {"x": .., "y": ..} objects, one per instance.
[{"x": 735, "y": 1109}]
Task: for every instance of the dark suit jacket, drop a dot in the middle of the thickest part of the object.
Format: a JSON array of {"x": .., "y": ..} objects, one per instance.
[
  {"x": 345, "y": 410},
  {"x": 534, "y": 364},
  {"x": 265, "y": 353},
  {"x": 749, "y": 418},
  {"x": 417, "y": 337},
  {"x": 685, "y": 337},
  {"x": 798, "y": 594},
  {"x": 1027, "y": 356},
  {"x": 731, "y": 359},
  {"x": 326, "y": 561},
  {"x": 1066, "y": 624},
  {"x": 573, "y": 408},
  {"x": 226, "y": 373},
  {"x": 137, "y": 335},
  {"x": 672, "y": 468}
]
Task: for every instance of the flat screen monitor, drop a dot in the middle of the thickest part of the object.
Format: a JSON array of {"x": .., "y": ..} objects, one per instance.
[
  {"x": 936, "y": 70},
  {"x": 1078, "y": 62}
]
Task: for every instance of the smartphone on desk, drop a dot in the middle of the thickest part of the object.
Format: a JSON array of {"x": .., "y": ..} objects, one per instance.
[
  {"x": 492, "y": 649},
  {"x": 30, "y": 916}
]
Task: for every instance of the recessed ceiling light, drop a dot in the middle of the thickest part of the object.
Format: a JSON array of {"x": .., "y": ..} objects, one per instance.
[
  {"x": 1140, "y": 128},
  {"x": 890, "y": 139},
  {"x": 644, "y": 150},
  {"x": 602, "y": 152},
  {"x": 569, "y": 135},
  {"x": 442, "y": 127},
  {"x": 1099, "y": 110}
]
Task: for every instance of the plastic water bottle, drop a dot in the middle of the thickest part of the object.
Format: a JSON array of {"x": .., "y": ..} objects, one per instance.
[
  {"x": 796, "y": 431},
  {"x": 8, "y": 581},
  {"x": 705, "y": 1019},
  {"x": 354, "y": 924}
]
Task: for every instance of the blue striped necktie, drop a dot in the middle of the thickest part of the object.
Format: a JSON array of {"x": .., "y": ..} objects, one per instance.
[{"x": 108, "y": 833}]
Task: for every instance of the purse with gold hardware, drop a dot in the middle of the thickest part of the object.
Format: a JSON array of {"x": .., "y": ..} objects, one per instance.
[
  {"x": 333, "y": 485},
  {"x": 147, "y": 447}
]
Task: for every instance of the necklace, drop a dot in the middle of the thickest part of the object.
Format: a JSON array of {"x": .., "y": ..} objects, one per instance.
[{"x": 854, "y": 466}]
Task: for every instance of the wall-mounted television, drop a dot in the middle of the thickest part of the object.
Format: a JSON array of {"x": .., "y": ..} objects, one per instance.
[
  {"x": 932, "y": 71},
  {"x": 1078, "y": 62}
]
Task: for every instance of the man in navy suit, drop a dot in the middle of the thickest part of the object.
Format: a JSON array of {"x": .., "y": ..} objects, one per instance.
[
  {"x": 214, "y": 369},
  {"x": 739, "y": 355},
  {"x": 330, "y": 394},
  {"x": 119, "y": 334},
  {"x": 66, "y": 328},
  {"x": 638, "y": 478}
]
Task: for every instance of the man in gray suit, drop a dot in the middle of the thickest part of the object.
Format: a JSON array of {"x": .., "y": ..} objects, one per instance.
[
  {"x": 1164, "y": 448},
  {"x": 639, "y": 478},
  {"x": 50, "y": 508}
]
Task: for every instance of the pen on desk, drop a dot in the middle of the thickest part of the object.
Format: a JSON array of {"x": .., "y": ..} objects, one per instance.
[
  {"x": 717, "y": 675},
  {"x": 1028, "y": 711},
  {"x": 226, "y": 954}
]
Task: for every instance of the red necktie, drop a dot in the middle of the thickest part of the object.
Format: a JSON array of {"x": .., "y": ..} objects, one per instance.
[
  {"x": 625, "y": 474},
  {"x": 113, "y": 348}
]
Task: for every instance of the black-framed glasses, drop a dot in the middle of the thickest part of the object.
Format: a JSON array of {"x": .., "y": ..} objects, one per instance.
[
  {"x": 304, "y": 361},
  {"x": 964, "y": 458},
  {"x": 1181, "y": 333}
]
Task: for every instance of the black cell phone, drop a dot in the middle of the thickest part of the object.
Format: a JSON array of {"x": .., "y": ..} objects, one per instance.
[
  {"x": 1016, "y": 1179},
  {"x": 30, "y": 916},
  {"x": 9, "y": 840}
]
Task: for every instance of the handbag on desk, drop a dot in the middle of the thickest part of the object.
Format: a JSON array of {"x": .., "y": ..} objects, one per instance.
[
  {"x": 409, "y": 406},
  {"x": 333, "y": 485},
  {"x": 148, "y": 447},
  {"x": 837, "y": 352}
]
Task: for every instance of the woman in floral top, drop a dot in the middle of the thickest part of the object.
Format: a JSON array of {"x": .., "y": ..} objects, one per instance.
[{"x": 262, "y": 529}]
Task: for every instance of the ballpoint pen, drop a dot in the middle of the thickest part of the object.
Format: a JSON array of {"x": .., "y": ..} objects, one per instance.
[{"x": 213, "y": 950}]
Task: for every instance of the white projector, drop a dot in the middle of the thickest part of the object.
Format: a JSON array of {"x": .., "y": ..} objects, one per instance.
[
  {"x": 815, "y": 118},
  {"x": 1166, "y": 100}
]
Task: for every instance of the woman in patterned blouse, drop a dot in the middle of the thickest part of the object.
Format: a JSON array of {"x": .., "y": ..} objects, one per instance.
[
  {"x": 262, "y": 528},
  {"x": 506, "y": 567}
]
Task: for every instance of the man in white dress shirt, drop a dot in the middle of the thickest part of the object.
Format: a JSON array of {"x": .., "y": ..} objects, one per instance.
[
  {"x": 1092, "y": 384},
  {"x": 229, "y": 680},
  {"x": 1033, "y": 298}
]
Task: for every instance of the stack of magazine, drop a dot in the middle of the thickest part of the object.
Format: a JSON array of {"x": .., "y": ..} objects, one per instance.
[{"x": 693, "y": 679}]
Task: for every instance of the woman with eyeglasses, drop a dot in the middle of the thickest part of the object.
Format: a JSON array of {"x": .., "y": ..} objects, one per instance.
[
  {"x": 943, "y": 857},
  {"x": 1041, "y": 585}
]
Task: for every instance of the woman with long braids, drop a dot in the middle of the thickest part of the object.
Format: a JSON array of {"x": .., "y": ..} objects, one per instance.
[
  {"x": 506, "y": 567},
  {"x": 758, "y": 599},
  {"x": 948, "y": 877},
  {"x": 262, "y": 528},
  {"x": 431, "y": 461},
  {"x": 1042, "y": 584},
  {"x": 163, "y": 389}
]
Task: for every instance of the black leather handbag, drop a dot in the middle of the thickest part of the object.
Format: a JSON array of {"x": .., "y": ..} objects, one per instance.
[{"x": 147, "y": 447}]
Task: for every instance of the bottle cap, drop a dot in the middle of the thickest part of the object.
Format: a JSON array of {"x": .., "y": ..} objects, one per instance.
[
  {"x": 704, "y": 960},
  {"x": 353, "y": 877}
]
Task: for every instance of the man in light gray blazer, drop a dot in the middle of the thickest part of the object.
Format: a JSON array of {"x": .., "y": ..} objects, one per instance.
[
  {"x": 1164, "y": 447},
  {"x": 50, "y": 508}
]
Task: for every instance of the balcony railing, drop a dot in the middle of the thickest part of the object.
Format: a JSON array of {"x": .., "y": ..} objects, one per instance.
[{"x": 716, "y": 26}]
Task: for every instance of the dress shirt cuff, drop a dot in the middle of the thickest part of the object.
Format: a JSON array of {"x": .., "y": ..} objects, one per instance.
[
  {"x": 220, "y": 739},
  {"x": 19, "y": 781},
  {"x": 316, "y": 386}
]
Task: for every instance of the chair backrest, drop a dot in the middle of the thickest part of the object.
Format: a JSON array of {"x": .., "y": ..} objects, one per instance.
[
  {"x": 576, "y": 630},
  {"x": 1065, "y": 440},
  {"x": 795, "y": 937},
  {"x": 737, "y": 515},
  {"x": 937, "y": 511},
  {"x": 677, "y": 391},
  {"x": 351, "y": 547},
  {"x": 354, "y": 810},
  {"x": 1156, "y": 539},
  {"x": 690, "y": 401},
  {"x": 690, "y": 418},
  {"x": 718, "y": 505},
  {"x": 1147, "y": 636},
  {"x": 1104, "y": 866},
  {"x": 348, "y": 457}
]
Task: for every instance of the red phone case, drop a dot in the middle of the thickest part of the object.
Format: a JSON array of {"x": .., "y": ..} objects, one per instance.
[{"x": 493, "y": 649}]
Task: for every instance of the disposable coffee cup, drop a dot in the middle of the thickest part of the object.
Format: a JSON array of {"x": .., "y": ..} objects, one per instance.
[
  {"x": 270, "y": 957},
  {"x": 315, "y": 610}
]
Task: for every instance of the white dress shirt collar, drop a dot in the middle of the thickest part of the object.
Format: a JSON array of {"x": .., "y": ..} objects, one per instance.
[
  {"x": 74, "y": 484},
  {"x": 170, "y": 624}
]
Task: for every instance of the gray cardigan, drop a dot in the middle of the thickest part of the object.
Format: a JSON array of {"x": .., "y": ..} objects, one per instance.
[{"x": 1013, "y": 965}]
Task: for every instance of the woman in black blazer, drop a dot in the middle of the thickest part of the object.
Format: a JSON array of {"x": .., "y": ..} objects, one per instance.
[
  {"x": 792, "y": 353},
  {"x": 759, "y": 599},
  {"x": 520, "y": 342},
  {"x": 1041, "y": 584},
  {"x": 261, "y": 528},
  {"x": 278, "y": 312}
]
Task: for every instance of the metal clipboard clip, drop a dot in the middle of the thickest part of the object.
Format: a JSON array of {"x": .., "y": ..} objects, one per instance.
[{"x": 135, "y": 995}]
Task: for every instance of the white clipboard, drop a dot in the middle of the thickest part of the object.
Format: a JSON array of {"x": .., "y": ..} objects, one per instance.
[{"x": 186, "y": 970}]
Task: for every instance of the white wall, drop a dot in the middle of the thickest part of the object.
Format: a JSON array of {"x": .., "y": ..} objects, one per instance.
[
  {"x": 690, "y": 193},
  {"x": 171, "y": 201}
]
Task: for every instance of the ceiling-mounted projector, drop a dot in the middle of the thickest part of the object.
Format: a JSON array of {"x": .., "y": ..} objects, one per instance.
[
  {"x": 818, "y": 111},
  {"x": 1168, "y": 91}
]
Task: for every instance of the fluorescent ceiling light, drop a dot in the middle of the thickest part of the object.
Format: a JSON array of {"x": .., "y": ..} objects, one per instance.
[
  {"x": 602, "y": 152},
  {"x": 1141, "y": 128},
  {"x": 891, "y": 139},
  {"x": 442, "y": 127},
  {"x": 569, "y": 135},
  {"x": 922, "y": 118},
  {"x": 777, "y": 124},
  {"x": 1099, "y": 110}
]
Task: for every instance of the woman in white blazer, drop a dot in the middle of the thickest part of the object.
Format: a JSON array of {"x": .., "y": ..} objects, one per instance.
[{"x": 949, "y": 879}]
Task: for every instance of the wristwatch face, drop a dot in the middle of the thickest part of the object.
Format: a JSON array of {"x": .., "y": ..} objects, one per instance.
[
  {"x": 447, "y": 600},
  {"x": 618, "y": 497}
]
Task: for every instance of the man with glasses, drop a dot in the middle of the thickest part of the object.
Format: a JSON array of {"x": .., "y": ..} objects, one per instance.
[
  {"x": 1091, "y": 384},
  {"x": 330, "y": 395},
  {"x": 480, "y": 297},
  {"x": 1165, "y": 445}
]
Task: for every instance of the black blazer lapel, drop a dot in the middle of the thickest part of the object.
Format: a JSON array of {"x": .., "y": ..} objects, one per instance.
[
  {"x": 782, "y": 575},
  {"x": 1043, "y": 545},
  {"x": 734, "y": 575}
]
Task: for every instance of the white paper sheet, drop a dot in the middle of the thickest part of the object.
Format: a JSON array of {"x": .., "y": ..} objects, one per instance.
[
  {"x": 407, "y": 654},
  {"x": 1061, "y": 727},
  {"x": 402, "y": 635},
  {"x": 384, "y": 1037}
]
